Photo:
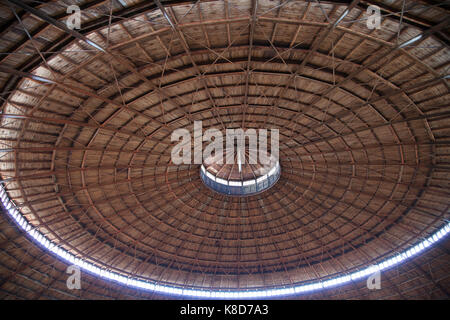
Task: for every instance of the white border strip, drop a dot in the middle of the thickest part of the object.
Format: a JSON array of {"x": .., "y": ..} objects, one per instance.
[{"x": 202, "y": 293}]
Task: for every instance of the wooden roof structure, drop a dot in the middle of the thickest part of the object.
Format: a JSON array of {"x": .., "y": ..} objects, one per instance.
[{"x": 87, "y": 116}]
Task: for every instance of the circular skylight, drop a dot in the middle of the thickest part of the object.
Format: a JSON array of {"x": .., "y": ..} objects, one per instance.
[
  {"x": 241, "y": 187},
  {"x": 243, "y": 176}
]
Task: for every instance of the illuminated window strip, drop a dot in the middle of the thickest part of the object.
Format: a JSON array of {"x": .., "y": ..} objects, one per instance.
[
  {"x": 261, "y": 179},
  {"x": 221, "y": 181},
  {"x": 272, "y": 172},
  {"x": 147, "y": 285},
  {"x": 210, "y": 176}
]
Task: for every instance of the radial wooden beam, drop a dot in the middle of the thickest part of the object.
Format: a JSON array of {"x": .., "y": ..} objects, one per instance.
[
  {"x": 373, "y": 60},
  {"x": 58, "y": 24},
  {"x": 409, "y": 18},
  {"x": 315, "y": 46},
  {"x": 174, "y": 25},
  {"x": 42, "y": 15},
  {"x": 81, "y": 124},
  {"x": 253, "y": 19}
]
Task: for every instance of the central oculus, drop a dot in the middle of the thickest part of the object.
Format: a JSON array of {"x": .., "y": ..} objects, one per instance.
[{"x": 244, "y": 177}]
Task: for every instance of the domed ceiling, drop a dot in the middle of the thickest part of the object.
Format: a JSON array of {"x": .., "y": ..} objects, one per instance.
[{"x": 363, "y": 118}]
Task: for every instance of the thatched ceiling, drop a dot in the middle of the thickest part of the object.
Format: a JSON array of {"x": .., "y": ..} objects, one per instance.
[{"x": 364, "y": 135}]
